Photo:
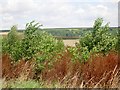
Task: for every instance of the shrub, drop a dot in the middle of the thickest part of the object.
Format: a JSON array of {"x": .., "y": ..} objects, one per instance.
[
  {"x": 37, "y": 43},
  {"x": 74, "y": 52},
  {"x": 11, "y": 44},
  {"x": 98, "y": 40}
]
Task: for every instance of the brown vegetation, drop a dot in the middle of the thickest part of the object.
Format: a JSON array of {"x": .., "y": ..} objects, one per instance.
[
  {"x": 98, "y": 71},
  {"x": 101, "y": 70},
  {"x": 10, "y": 70}
]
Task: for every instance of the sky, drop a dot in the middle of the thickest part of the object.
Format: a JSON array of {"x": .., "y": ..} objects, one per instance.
[{"x": 57, "y": 13}]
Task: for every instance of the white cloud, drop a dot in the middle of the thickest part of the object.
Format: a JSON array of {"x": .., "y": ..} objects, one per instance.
[
  {"x": 54, "y": 13},
  {"x": 102, "y": 7},
  {"x": 8, "y": 18},
  {"x": 114, "y": 1},
  {"x": 12, "y": 6},
  {"x": 80, "y": 10}
]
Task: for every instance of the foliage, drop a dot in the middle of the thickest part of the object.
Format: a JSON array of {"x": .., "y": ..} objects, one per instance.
[
  {"x": 29, "y": 41},
  {"x": 74, "y": 32},
  {"x": 35, "y": 44},
  {"x": 38, "y": 43},
  {"x": 1, "y": 43},
  {"x": 79, "y": 54},
  {"x": 12, "y": 44},
  {"x": 99, "y": 40},
  {"x": 42, "y": 46},
  {"x": 74, "y": 52}
]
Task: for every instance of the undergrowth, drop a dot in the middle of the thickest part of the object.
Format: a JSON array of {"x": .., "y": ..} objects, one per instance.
[{"x": 39, "y": 60}]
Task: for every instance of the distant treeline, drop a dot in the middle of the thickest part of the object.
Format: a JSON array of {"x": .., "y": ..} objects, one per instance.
[{"x": 69, "y": 32}]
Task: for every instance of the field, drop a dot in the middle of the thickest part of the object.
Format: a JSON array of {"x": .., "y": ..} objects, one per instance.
[
  {"x": 37, "y": 59},
  {"x": 70, "y": 42}
]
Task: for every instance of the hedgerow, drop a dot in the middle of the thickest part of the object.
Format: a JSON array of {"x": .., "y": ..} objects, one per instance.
[
  {"x": 39, "y": 45},
  {"x": 35, "y": 44}
]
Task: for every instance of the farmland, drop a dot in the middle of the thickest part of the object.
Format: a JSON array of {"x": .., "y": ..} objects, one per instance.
[
  {"x": 46, "y": 58},
  {"x": 70, "y": 42}
]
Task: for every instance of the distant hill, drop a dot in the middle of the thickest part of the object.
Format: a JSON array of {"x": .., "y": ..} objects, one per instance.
[{"x": 68, "y": 32}]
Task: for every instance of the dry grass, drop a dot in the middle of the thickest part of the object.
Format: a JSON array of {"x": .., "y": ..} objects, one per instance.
[
  {"x": 14, "y": 70},
  {"x": 98, "y": 72}
]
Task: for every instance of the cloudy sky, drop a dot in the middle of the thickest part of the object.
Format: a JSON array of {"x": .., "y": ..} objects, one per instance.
[{"x": 57, "y": 13}]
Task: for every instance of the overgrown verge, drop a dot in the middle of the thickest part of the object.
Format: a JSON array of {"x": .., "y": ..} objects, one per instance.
[
  {"x": 38, "y": 57},
  {"x": 101, "y": 72},
  {"x": 33, "y": 44}
]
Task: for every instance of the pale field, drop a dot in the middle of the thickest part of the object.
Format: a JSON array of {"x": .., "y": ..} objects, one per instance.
[
  {"x": 70, "y": 42},
  {"x": 3, "y": 33}
]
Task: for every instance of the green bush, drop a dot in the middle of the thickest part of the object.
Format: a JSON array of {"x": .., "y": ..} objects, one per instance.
[
  {"x": 100, "y": 40},
  {"x": 74, "y": 52},
  {"x": 11, "y": 44},
  {"x": 35, "y": 44}
]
